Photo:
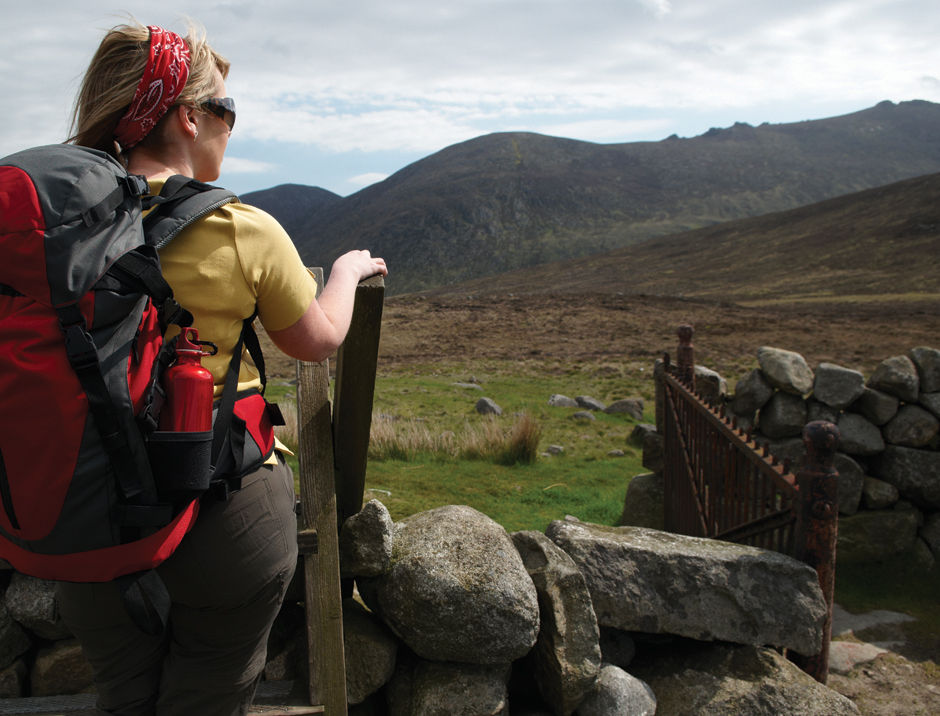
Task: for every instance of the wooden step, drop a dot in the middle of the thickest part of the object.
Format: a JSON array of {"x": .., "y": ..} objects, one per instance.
[{"x": 274, "y": 698}]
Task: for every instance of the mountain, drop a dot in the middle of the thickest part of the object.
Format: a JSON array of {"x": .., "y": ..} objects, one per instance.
[
  {"x": 292, "y": 204},
  {"x": 512, "y": 200},
  {"x": 878, "y": 247}
]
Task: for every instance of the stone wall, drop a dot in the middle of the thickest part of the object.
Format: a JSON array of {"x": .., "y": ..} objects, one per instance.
[
  {"x": 889, "y": 455},
  {"x": 455, "y": 616}
]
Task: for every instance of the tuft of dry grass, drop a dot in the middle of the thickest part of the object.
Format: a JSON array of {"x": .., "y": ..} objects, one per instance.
[{"x": 488, "y": 440}]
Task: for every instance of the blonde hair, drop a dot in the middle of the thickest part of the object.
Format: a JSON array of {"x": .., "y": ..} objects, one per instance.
[{"x": 111, "y": 80}]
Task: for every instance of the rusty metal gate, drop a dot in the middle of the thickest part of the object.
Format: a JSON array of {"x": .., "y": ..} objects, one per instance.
[{"x": 720, "y": 483}]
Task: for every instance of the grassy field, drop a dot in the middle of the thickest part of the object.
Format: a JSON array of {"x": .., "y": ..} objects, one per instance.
[{"x": 430, "y": 446}]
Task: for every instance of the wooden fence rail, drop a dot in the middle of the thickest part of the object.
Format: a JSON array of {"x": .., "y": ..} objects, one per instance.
[{"x": 720, "y": 483}]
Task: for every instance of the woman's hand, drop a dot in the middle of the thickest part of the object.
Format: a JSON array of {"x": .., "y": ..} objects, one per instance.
[
  {"x": 323, "y": 327},
  {"x": 360, "y": 264}
]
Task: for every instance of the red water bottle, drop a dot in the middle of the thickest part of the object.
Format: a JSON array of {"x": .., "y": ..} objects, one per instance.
[{"x": 189, "y": 388}]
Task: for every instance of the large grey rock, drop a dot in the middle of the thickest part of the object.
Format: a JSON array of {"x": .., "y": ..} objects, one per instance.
[
  {"x": 617, "y": 693},
  {"x": 877, "y": 407},
  {"x": 457, "y": 589},
  {"x": 927, "y": 362},
  {"x": 878, "y": 494},
  {"x": 14, "y": 641},
  {"x": 896, "y": 376},
  {"x": 785, "y": 370},
  {"x": 750, "y": 393},
  {"x": 567, "y": 656},
  {"x": 912, "y": 427},
  {"x": 875, "y": 535},
  {"x": 427, "y": 688},
  {"x": 836, "y": 386},
  {"x": 370, "y": 650},
  {"x": 628, "y": 406},
  {"x": 931, "y": 401},
  {"x": 488, "y": 406},
  {"x": 858, "y": 436},
  {"x": 365, "y": 542},
  {"x": 60, "y": 668},
  {"x": 656, "y": 582},
  {"x": 589, "y": 403},
  {"x": 702, "y": 679},
  {"x": 916, "y": 474},
  {"x": 644, "y": 504},
  {"x": 783, "y": 416},
  {"x": 32, "y": 603}
]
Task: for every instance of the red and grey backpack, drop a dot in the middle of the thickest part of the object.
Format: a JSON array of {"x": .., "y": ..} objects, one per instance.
[{"x": 90, "y": 490}]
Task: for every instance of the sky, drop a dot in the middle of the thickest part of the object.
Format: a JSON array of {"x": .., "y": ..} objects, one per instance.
[{"x": 343, "y": 94}]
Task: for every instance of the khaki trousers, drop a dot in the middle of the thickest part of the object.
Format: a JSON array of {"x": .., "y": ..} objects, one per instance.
[{"x": 227, "y": 581}]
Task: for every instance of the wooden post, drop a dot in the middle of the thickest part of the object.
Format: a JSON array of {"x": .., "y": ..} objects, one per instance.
[
  {"x": 356, "y": 364},
  {"x": 817, "y": 525},
  {"x": 318, "y": 538}
]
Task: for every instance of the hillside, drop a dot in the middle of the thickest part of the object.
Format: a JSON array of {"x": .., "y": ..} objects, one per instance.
[
  {"x": 512, "y": 200},
  {"x": 292, "y": 204},
  {"x": 876, "y": 245}
]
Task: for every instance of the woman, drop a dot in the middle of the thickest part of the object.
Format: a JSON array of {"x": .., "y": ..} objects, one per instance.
[{"x": 157, "y": 102}]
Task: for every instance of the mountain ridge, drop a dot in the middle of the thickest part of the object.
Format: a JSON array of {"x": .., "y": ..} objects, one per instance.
[{"x": 511, "y": 200}]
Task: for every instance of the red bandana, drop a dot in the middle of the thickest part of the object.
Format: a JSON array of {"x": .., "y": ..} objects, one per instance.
[{"x": 164, "y": 79}]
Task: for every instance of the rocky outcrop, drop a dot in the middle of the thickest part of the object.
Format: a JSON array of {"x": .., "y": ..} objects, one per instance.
[
  {"x": 657, "y": 582},
  {"x": 456, "y": 589}
]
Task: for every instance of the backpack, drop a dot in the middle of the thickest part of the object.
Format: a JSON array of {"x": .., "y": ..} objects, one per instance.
[{"x": 90, "y": 490}]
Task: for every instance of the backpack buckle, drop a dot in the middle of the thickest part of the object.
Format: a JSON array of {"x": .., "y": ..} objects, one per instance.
[
  {"x": 136, "y": 185},
  {"x": 79, "y": 345}
]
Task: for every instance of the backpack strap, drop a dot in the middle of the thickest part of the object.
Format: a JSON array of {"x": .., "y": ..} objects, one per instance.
[
  {"x": 131, "y": 469},
  {"x": 181, "y": 202}
]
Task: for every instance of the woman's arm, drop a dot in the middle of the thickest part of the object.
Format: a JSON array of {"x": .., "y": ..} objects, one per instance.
[{"x": 323, "y": 327}]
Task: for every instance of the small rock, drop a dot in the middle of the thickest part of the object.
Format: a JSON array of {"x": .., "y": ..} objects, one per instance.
[
  {"x": 555, "y": 449},
  {"x": 846, "y": 655},
  {"x": 629, "y": 406},
  {"x": 876, "y": 406},
  {"x": 785, "y": 370},
  {"x": 927, "y": 362},
  {"x": 617, "y": 692},
  {"x": 562, "y": 401},
  {"x": 589, "y": 403},
  {"x": 486, "y": 406},
  {"x": 836, "y": 386},
  {"x": 878, "y": 494},
  {"x": 750, "y": 393},
  {"x": 896, "y": 376},
  {"x": 583, "y": 415},
  {"x": 616, "y": 452},
  {"x": 857, "y": 436}
]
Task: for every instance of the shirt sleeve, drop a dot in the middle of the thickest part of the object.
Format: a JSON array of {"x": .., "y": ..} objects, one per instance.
[{"x": 283, "y": 286}]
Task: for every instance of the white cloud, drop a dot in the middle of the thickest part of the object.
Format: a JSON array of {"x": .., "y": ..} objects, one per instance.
[
  {"x": 240, "y": 165},
  {"x": 417, "y": 75},
  {"x": 363, "y": 180}
]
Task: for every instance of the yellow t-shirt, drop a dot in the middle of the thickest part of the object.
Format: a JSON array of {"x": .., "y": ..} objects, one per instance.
[{"x": 224, "y": 266}]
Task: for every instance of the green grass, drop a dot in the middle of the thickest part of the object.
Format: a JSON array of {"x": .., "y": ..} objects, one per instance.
[{"x": 583, "y": 480}]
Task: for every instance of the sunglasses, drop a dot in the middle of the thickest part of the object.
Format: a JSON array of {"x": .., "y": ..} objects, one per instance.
[{"x": 223, "y": 108}]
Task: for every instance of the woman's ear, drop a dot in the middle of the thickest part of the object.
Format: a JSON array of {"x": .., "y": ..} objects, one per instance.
[{"x": 187, "y": 122}]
